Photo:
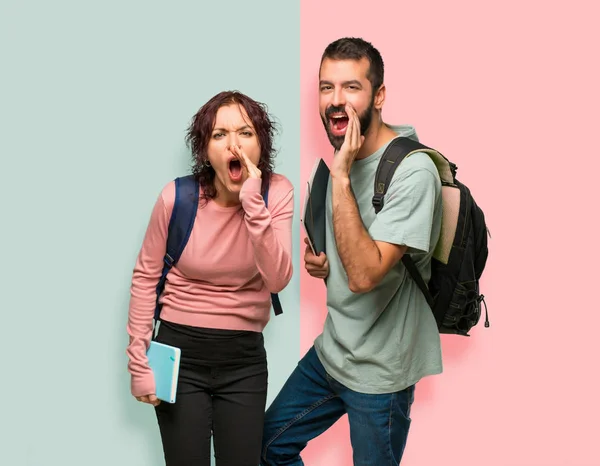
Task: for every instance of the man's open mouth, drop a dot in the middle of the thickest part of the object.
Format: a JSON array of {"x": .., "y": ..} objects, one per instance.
[{"x": 338, "y": 123}]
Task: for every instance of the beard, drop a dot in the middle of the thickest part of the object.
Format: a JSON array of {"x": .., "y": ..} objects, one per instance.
[{"x": 364, "y": 118}]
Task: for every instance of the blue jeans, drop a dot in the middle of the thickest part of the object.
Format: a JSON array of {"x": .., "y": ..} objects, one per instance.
[{"x": 311, "y": 401}]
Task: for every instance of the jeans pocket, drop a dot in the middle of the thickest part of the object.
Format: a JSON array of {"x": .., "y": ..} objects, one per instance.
[{"x": 404, "y": 400}]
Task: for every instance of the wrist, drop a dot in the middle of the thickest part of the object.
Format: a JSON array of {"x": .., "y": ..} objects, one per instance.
[{"x": 340, "y": 178}]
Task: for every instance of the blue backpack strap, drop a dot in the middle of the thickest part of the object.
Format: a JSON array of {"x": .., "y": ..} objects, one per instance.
[
  {"x": 187, "y": 194},
  {"x": 274, "y": 296}
]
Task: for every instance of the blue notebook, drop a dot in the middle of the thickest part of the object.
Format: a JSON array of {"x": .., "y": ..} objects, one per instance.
[{"x": 164, "y": 362}]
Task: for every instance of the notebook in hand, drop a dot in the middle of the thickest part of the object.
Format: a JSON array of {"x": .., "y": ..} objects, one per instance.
[
  {"x": 164, "y": 362},
  {"x": 313, "y": 217}
]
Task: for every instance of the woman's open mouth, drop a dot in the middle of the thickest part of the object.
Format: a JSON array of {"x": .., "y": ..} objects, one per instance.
[{"x": 235, "y": 169}]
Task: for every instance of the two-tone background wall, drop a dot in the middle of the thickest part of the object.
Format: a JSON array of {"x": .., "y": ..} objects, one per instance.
[{"x": 94, "y": 101}]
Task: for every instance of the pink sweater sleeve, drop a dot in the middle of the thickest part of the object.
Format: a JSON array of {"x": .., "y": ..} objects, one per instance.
[
  {"x": 146, "y": 274},
  {"x": 270, "y": 230}
]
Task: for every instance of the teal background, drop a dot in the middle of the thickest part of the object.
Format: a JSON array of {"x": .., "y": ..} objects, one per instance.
[{"x": 95, "y": 98}]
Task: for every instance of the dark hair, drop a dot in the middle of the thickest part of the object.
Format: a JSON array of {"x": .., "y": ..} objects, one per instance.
[
  {"x": 353, "y": 48},
  {"x": 202, "y": 125}
]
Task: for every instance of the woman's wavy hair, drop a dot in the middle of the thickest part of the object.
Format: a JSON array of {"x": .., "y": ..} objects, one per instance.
[{"x": 200, "y": 131}]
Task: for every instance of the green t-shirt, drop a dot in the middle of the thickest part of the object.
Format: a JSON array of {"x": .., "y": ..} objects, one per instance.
[{"x": 387, "y": 339}]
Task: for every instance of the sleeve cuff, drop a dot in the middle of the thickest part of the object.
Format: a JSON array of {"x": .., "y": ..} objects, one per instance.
[
  {"x": 251, "y": 185},
  {"x": 250, "y": 192},
  {"x": 143, "y": 385}
]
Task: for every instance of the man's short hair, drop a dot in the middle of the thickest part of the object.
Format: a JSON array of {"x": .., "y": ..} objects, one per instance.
[{"x": 354, "y": 48}]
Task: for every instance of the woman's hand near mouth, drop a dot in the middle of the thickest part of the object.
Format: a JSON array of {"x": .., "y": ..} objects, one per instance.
[{"x": 251, "y": 170}]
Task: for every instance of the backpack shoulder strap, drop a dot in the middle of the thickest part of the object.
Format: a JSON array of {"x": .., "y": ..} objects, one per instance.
[
  {"x": 397, "y": 151},
  {"x": 394, "y": 154},
  {"x": 416, "y": 276},
  {"x": 277, "y": 308},
  {"x": 187, "y": 195}
]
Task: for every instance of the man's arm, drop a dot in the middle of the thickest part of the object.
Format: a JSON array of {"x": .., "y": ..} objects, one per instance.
[{"x": 366, "y": 261}]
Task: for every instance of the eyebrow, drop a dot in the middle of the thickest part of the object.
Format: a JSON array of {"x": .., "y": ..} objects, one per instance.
[
  {"x": 345, "y": 83},
  {"x": 238, "y": 129}
]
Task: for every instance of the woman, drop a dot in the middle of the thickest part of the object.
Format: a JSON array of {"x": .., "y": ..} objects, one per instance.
[{"x": 216, "y": 300}]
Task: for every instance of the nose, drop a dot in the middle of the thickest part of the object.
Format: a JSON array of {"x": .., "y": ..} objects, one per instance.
[
  {"x": 339, "y": 99},
  {"x": 233, "y": 139}
]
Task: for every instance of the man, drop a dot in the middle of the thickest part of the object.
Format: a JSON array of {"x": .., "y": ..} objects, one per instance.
[{"x": 380, "y": 337}]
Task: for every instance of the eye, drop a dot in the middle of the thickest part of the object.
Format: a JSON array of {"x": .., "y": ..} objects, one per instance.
[
  {"x": 325, "y": 88},
  {"x": 353, "y": 88},
  {"x": 218, "y": 135},
  {"x": 247, "y": 133}
]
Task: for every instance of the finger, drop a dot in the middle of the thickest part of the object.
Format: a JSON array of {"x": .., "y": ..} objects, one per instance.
[
  {"x": 238, "y": 155},
  {"x": 308, "y": 258},
  {"x": 308, "y": 245},
  {"x": 318, "y": 261},
  {"x": 246, "y": 158},
  {"x": 153, "y": 400},
  {"x": 356, "y": 132},
  {"x": 307, "y": 250},
  {"x": 348, "y": 135},
  {"x": 247, "y": 163},
  {"x": 313, "y": 267},
  {"x": 314, "y": 271},
  {"x": 317, "y": 273},
  {"x": 355, "y": 127}
]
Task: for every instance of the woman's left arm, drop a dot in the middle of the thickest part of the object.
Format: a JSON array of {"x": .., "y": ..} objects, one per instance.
[{"x": 270, "y": 229}]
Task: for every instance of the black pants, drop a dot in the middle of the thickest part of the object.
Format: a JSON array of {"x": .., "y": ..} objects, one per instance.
[{"x": 222, "y": 391}]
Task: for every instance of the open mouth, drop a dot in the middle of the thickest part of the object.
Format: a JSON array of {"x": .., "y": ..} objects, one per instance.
[
  {"x": 235, "y": 169},
  {"x": 338, "y": 123}
]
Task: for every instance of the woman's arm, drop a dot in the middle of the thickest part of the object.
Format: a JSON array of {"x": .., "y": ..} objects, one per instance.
[
  {"x": 146, "y": 273},
  {"x": 270, "y": 229}
]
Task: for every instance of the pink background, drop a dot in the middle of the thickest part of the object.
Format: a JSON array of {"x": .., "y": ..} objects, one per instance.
[{"x": 509, "y": 92}]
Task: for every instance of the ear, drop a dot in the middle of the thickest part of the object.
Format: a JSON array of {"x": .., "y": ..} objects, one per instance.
[{"x": 379, "y": 98}]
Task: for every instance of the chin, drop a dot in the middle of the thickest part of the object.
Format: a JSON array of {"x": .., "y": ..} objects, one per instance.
[{"x": 235, "y": 187}]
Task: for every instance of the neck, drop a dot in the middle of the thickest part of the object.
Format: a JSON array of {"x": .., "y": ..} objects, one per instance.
[
  {"x": 224, "y": 197},
  {"x": 376, "y": 136}
]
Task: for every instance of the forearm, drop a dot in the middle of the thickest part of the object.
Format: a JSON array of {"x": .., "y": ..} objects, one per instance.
[
  {"x": 358, "y": 252},
  {"x": 139, "y": 329},
  {"x": 146, "y": 273},
  {"x": 270, "y": 235},
  {"x": 273, "y": 257}
]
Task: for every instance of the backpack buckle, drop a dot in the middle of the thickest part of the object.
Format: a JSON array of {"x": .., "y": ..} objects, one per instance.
[
  {"x": 453, "y": 169},
  {"x": 378, "y": 202},
  {"x": 168, "y": 260}
]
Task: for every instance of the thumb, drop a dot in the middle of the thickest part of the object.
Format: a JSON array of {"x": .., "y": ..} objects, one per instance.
[{"x": 153, "y": 400}]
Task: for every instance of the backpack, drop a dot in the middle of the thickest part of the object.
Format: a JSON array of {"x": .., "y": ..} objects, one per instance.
[
  {"x": 187, "y": 195},
  {"x": 461, "y": 252}
]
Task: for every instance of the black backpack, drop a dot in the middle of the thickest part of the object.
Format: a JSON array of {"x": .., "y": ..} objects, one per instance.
[{"x": 461, "y": 253}]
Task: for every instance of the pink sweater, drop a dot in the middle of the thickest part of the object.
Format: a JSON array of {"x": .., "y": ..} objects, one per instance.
[{"x": 234, "y": 258}]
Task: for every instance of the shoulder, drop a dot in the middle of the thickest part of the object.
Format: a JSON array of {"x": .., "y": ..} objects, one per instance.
[
  {"x": 417, "y": 162},
  {"x": 418, "y": 169},
  {"x": 167, "y": 196},
  {"x": 280, "y": 188},
  {"x": 281, "y": 193},
  {"x": 279, "y": 183}
]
